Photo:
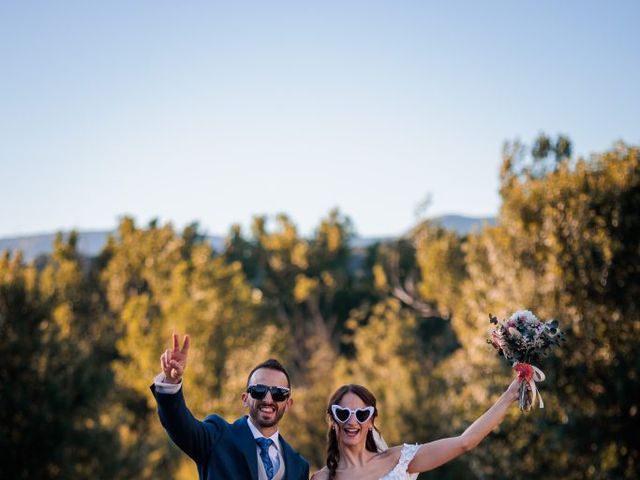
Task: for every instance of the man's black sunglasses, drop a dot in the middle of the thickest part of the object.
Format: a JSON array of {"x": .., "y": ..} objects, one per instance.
[{"x": 258, "y": 392}]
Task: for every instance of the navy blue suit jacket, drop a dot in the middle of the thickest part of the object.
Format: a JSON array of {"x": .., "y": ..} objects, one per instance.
[{"x": 220, "y": 449}]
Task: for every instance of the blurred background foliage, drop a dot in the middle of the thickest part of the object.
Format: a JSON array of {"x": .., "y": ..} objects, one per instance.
[{"x": 80, "y": 337}]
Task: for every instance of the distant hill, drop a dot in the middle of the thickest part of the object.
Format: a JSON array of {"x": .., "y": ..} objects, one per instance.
[
  {"x": 91, "y": 243},
  {"x": 464, "y": 225}
]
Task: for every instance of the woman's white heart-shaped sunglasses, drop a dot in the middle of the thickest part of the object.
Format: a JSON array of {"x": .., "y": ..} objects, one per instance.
[{"x": 342, "y": 414}]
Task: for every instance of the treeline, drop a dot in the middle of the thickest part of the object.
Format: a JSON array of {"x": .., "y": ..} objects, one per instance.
[{"x": 80, "y": 338}]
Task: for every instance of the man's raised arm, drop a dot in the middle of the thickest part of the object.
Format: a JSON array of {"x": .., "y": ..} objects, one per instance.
[{"x": 194, "y": 437}]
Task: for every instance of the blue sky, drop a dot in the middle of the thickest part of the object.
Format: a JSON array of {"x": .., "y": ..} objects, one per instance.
[{"x": 218, "y": 111}]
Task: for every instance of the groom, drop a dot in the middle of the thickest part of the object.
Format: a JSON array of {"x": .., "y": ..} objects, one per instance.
[{"x": 249, "y": 448}]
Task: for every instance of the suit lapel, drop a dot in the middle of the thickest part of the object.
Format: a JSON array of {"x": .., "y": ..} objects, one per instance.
[
  {"x": 287, "y": 455},
  {"x": 247, "y": 445}
]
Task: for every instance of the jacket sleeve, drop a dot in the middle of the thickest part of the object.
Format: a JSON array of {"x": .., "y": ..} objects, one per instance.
[{"x": 194, "y": 437}]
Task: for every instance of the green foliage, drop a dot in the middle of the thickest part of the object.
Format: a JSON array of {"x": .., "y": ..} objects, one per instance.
[
  {"x": 442, "y": 265},
  {"x": 158, "y": 282},
  {"x": 566, "y": 246},
  {"x": 55, "y": 376},
  {"x": 306, "y": 285}
]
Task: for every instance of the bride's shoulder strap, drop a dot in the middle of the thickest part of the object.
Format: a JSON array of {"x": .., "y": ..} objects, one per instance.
[{"x": 409, "y": 451}]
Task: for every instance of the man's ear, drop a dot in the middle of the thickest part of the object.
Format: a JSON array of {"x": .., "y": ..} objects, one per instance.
[
  {"x": 245, "y": 399},
  {"x": 289, "y": 402}
]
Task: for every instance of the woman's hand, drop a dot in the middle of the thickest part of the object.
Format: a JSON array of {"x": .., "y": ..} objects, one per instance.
[{"x": 513, "y": 389}]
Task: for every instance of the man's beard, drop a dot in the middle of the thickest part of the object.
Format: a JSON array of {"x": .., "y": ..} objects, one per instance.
[{"x": 256, "y": 414}]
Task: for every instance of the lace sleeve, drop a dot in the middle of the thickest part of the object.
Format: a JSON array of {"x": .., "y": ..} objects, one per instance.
[
  {"x": 400, "y": 471},
  {"x": 406, "y": 455}
]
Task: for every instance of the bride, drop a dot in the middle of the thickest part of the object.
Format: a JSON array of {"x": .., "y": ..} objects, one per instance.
[{"x": 356, "y": 450}]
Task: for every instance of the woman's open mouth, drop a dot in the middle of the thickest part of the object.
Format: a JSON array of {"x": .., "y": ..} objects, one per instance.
[{"x": 351, "y": 432}]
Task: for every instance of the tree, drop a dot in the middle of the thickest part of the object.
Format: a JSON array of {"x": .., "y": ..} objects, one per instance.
[
  {"x": 157, "y": 281},
  {"x": 55, "y": 374},
  {"x": 566, "y": 246}
]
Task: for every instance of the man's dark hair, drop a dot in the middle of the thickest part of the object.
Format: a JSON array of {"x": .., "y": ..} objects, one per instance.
[{"x": 272, "y": 364}]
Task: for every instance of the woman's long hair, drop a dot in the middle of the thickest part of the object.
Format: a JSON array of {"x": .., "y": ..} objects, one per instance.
[{"x": 333, "y": 448}]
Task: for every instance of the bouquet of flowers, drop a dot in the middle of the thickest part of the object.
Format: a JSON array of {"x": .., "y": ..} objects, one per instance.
[{"x": 523, "y": 339}]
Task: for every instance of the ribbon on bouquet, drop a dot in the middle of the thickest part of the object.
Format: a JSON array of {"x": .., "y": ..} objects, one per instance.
[{"x": 531, "y": 375}]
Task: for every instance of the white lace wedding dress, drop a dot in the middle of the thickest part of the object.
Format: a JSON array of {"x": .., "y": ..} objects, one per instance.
[{"x": 399, "y": 472}]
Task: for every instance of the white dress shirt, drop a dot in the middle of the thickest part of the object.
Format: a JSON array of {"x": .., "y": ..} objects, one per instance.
[{"x": 273, "y": 448}]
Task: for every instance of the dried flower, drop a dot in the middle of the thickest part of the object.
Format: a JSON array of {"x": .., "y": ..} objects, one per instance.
[{"x": 524, "y": 339}]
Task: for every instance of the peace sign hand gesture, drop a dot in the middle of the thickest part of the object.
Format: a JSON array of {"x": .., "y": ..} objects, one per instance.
[{"x": 174, "y": 361}]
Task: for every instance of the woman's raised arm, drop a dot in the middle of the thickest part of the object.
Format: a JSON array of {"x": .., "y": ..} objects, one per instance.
[{"x": 433, "y": 454}]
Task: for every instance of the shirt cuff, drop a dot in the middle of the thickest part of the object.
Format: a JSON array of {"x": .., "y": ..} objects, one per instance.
[{"x": 164, "y": 387}]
